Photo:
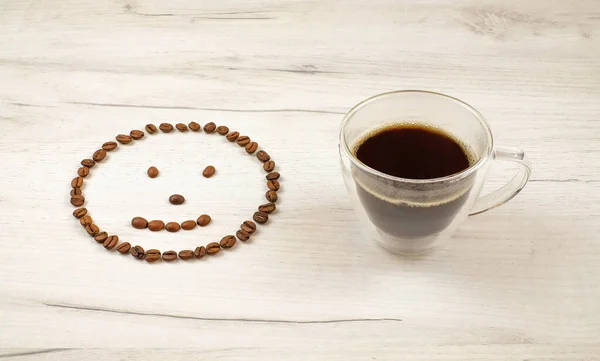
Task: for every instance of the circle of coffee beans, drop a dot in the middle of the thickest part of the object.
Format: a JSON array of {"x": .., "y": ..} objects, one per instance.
[{"x": 110, "y": 242}]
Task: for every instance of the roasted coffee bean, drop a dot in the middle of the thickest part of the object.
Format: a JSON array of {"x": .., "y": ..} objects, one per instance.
[
  {"x": 249, "y": 227},
  {"x": 92, "y": 229},
  {"x": 90, "y": 163},
  {"x": 243, "y": 140},
  {"x": 209, "y": 171},
  {"x": 251, "y": 147},
  {"x": 272, "y": 176},
  {"x": 150, "y": 128},
  {"x": 136, "y": 134},
  {"x": 210, "y": 127},
  {"x": 260, "y": 217},
  {"x": 152, "y": 172},
  {"x": 77, "y": 182},
  {"x": 263, "y": 156},
  {"x": 101, "y": 237},
  {"x": 188, "y": 225},
  {"x": 139, "y": 223},
  {"x": 76, "y": 192},
  {"x": 172, "y": 227},
  {"x": 232, "y": 136},
  {"x": 227, "y": 241},
  {"x": 213, "y": 248},
  {"x": 124, "y": 247},
  {"x": 137, "y": 252},
  {"x": 79, "y": 212},
  {"x": 83, "y": 172},
  {"x": 152, "y": 255},
  {"x": 99, "y": 155},
  {"x": 271, "y": 196},
  {"x": 194, "y": 127},
  {"x": 111, "y": 242},
  {"x": 186, "y": 254},
  {"x": 181, "y": 127},
  {"x": 200, "y": 252},
  {"x": 77, "y": 201},
  {"x": 165, "y": 127},
  {"x": 108, "y": 146},
  {"x": 273, "y": 185},
  {"x": 169, "y": 256},
  {"x": 156, "y": 225},
  {"x": 267, "y": 208},
  {"x": 223, "y": 130},
  {"x": 85, "y": 220},
  {"x": 203, "y": 220},
  {"x": 176, "y": 199},
  {"x": 269, "y": 166},
  {"x": 242, "y": 235},
  {"x": 124, "y": 139}
]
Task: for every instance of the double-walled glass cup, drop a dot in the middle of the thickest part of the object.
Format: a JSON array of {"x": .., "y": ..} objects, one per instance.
[{"x": 413, "y": 216}]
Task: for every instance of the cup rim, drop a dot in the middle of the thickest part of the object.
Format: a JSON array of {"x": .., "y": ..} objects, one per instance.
[{"x": 449, "y": 178}]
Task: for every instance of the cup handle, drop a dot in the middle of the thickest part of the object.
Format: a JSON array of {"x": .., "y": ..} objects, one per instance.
[{"x": 510, "y": 189}]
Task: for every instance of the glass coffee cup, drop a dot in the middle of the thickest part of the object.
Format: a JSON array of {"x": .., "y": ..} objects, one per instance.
[{"x": 414, "y": 216}]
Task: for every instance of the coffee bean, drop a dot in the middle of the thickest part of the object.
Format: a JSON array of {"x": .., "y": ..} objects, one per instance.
[
  {"x": 77, "y": 201},
  {"x": 85, "y": 220},
  {"x": 136, "y": 134},
  {"x": 223, "y": 130},
  {"x": 249, "y": 227},
  {"x": 209, "y": 171},
  {"x": 92, "y": 229},
  {"x": 101, "y": 237},
  {"x": 186, "y": 254},
  {"x": 77, "y": 182},
  {"x": 111, "y": 242},
  {"x": 210, "y": 127},
  {"x": 176, "y": 199},
  {"x": 169, "y": 256},
  {"x": 203, "y": 220},
  {"x": 232, "y": 136},
  {"x": 227, "y": 241},
  {"x": 99, "y": 155},
  {"x": 79, "y": 212},
  {"x": 156, "y": 225},
  {"x": 83, "y": 172},
  {"x": 139, "y": 223},
  {"x": 172, "y": 227},
  {"x": 269, "y": 166},
  {"x": 272, "y": 176},
  {"x": 194, "y": 127},
  {"x": 271, "y": 196},
  {"x": 150, "y": 128},
  {"x": 76, "y": 192},
  {"x": 88, "y": 163},
  {"x": 124, "y": 247},
  {"x": 260, "y": 217},
  {"x": 243, "y": 140},
  {"x": 242, "y": 235},
  {"x": 200, "y": 252},
  {"x": 273, "y": 185},
  {"x": 152, "y": 172},
  {"x": 152, "y": 255},
  {"x": 213, "y": 248},
  {"x": 263, "y": 156},
  {"x": 188, "y": 225},
  {"x": 181, "y": 127},
  {"x": 166, "y": 127},
  {"x": 267, "y": 208},
  {"x": 124, "y": 139},
  {"x": 137, "y": 252},
  {"x": 251, "y": 147},
  {"x": 108, "y": 146}
]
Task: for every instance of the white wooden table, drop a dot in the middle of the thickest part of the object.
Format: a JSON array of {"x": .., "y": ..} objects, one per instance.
[{"x": 518, "y": 283}]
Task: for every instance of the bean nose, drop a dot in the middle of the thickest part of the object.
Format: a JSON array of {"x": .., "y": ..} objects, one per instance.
[{"x": 176, "y": 199}]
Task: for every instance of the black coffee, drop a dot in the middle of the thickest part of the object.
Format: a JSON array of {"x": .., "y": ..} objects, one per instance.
[{"x": 404, "y": 209}]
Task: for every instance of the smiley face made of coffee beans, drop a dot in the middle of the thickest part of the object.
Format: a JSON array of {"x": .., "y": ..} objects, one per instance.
[{"x": 111, "y": 242}]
